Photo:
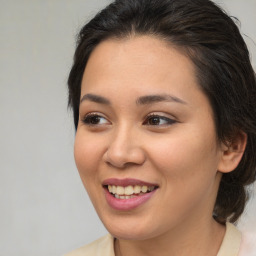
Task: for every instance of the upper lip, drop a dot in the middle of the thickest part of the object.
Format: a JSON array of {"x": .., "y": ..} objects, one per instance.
[{"x": 126, "y": 182}]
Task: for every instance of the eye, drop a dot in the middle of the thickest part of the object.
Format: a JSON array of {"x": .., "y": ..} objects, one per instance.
[
  {"x": 158, "y": 120},
  {"x": 95, "y": 119}
]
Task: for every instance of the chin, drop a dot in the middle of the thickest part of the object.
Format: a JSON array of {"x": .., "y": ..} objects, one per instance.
[
  {"x": 130, "y": 234},
  {"x": 127, "y": 228}
]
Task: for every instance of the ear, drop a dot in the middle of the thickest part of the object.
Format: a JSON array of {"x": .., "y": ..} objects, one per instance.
[{"x": 232, "y": 152}]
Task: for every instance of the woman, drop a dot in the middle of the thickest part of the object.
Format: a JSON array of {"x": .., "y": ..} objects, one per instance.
[{"x": 163, "y": 96}]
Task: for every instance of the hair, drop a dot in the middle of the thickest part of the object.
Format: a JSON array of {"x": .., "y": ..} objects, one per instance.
[{"x": 211, "y": 39}]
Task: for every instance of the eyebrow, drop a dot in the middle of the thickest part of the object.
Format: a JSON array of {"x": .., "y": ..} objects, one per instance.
[
  {"x": 143, "y": 100},
  {"x": 95, "y": 98},
  {"x": 150, "y": 99}
]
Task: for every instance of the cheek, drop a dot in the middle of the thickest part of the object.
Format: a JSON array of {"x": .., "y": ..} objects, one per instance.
[
  {"x": 87, "y": 155},
  {"x": 182, "y": 158},
  {"x": 188, "y": 177}
]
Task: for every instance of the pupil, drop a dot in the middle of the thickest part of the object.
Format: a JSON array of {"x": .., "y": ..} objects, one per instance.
[
  {"x": 154, "y": 120},
  {"x": 95, "y": 120}
]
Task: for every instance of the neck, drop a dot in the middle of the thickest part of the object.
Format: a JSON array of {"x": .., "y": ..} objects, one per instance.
[{"x": 203, "y": 238}]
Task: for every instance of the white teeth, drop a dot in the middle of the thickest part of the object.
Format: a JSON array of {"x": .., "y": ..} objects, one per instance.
[
  {"x": 124, "y": 197},
  {"x": 119, "y": 190},
  {"x": 136, "y": 189},
  {"x": 144, "y": 189},
  {"x": 127, "y": 192}
]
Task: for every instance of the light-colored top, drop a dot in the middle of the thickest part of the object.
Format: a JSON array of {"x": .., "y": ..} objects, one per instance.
[
  {"x": 105, "y": 245},
  {"x": 231, "y": 241},
  {"x": 248, "y": 244},
  {"x": 101, "y": 247}
]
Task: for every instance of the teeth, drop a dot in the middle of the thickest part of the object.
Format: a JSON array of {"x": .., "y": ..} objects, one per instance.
[
  {"x": 124, "y": 197},
  {"x": 119, "y": 190},
  {"x": 136, "y": 189},
  {"x": 150, "y": 188},
  {"x": 127, "y": 192},
  {"x": 144, "y": 189}
]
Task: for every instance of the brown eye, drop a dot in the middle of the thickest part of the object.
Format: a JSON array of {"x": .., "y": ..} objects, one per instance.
[
  {"x": 158, "y": 120},
  {"x": 155, "y": 120},
  {"x": 94, "y": 119}
]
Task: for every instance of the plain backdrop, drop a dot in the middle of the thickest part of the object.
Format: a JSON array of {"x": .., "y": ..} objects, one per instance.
[{"x": 45, "y": 210}]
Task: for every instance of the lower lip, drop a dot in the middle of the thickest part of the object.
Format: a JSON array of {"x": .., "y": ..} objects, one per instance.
[{"x": 127, "y": 204}]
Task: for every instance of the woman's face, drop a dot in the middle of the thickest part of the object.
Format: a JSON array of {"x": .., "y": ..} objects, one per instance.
[{"x": 147, "y": 130}]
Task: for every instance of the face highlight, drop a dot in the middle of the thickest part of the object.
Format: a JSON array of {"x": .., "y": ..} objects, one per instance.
[{"x": 146, "y": 136}]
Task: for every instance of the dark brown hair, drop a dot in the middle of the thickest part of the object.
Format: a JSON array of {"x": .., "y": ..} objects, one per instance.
[{"x": 211, "y": 39}]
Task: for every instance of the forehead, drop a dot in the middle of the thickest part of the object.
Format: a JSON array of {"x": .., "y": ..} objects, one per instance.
[{"x": 140, "y": 60}]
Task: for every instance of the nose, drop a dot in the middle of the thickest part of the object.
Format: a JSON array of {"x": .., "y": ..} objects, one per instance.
[{"x": 124, "y": 149}]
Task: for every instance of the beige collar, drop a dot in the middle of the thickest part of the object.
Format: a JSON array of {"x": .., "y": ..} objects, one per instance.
[
  {"x": 231, "y": 242},
  {"x": 105, "y": 245}
]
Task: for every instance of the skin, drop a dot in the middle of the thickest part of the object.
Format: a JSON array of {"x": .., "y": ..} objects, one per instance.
[{"x": 181, "y": 153}]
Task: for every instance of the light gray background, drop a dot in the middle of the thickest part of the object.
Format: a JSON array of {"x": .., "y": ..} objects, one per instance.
[{"x": 44, "y": 208}]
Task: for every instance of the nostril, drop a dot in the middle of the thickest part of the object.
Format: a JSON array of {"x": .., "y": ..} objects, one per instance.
[{"x": 123, "y": 153}]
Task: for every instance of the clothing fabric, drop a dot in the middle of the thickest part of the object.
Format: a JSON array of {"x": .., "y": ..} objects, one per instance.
[
  {"x": 101, "y": 247},
  {"x": 248, "y": 244},
  {"x": 105, "y": 245},
  {"x": 231, "y": 241}
]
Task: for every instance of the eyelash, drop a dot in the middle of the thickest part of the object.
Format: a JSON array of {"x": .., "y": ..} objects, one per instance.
[
  {"x": 168, "y": 121},
  {"x": 88, "y": 120}
]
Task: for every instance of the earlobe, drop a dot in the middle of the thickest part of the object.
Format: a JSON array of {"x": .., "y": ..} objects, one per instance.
[{"x": 232, "y": 153}]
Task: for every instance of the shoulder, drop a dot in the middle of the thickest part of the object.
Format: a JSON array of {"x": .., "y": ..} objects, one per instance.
[
  {"x": 102, "y": 246},
  {"x": 237, "y": 243},
  {"x": 231, "y": 241},
  {"x": 248, "y": 244}
]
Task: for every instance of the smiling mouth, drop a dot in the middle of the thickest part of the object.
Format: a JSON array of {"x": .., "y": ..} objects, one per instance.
[{"x": 128, "y": 192}]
